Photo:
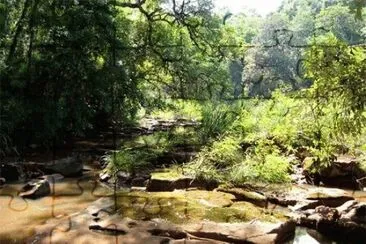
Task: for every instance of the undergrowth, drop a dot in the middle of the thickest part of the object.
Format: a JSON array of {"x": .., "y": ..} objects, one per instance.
[
  {"x": 264, "y": 138},
  {"x": 143, "y": 152}
]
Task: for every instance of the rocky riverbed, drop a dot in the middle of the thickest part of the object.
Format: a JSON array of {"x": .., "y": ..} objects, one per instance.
[
  {"x": 84, "y": 211},
  {"x": 75, "y": 200}
]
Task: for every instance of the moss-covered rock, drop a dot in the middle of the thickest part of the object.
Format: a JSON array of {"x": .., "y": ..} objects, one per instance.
[
  {"x": 173, "y": 178},
  {"x": 190, "y": 206},
  {"x": 242, "y": 194}
]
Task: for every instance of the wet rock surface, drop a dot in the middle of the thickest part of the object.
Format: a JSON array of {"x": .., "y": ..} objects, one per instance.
[
  {"x": 98, "y": 223},
  {"x": 346, "y": 222},
  {"x": 343, "y": 172},
  {"x": 20, "y": 171},
  {"x": 36, "y": 189},
  {"x": 242, "y": 194},
  {"x": 253, "y": 232}
]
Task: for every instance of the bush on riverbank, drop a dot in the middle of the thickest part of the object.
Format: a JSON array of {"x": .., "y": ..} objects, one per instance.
[{"x": 266, "y": 137}]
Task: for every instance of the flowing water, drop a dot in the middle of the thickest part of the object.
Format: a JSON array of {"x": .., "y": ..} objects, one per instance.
[{"x": 308, "y": 236}]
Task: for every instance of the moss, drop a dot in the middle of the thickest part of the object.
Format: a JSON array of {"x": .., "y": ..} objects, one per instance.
[
  {"x": 244, "y": 193},
  {"x": 188, "y": 207},
  {"x": 253, "y": 212},
  {"x": 211, "y": 198},
  {"x": 172, "y": 173}
]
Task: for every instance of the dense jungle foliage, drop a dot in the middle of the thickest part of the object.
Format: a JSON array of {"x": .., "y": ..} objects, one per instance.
[{"x": 264, "y": 88}]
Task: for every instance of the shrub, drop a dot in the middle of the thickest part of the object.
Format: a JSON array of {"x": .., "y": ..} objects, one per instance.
[
  {"x": 225, "y": 161},
  {"x": 212, "y": 162},
  {"x": 273, "y": 168},
  {"x": 129, "y": 160}
]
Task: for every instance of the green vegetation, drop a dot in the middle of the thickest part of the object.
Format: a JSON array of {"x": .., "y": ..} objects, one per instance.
[
  {"x": 267, "y": 91},
  {"x": 263, "y": 142},
  {"x": 172, "y": 173},
  {"x": 178, "y": 109},
  {"x": 144, "y": 152}
]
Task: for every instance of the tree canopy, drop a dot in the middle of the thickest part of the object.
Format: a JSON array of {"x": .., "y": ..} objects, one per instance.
[{"x": 71, "y": 66}]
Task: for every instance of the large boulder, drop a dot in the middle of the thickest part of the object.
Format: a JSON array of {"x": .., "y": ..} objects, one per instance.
[
  {"x": 354, "y": 211},
  {"x": 40, "y": 187},
  {"x": 68, "y": 167},
  {"x": 343, "y": 172},
  {"x": 345, "y": 223}
]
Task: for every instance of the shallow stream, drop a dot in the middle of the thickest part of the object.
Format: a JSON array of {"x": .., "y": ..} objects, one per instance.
[{"x": 19, "y": 217}]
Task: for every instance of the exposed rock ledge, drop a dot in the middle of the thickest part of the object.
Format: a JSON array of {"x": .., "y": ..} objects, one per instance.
[
  {"x": 345, "y": 223},
  {"x": 96, "y": 224}
]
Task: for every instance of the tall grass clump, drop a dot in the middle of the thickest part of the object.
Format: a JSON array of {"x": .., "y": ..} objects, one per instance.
[
  {"x": 131, "y": 161},
  {"x": 213, "y": 162},
  {"x": 216, "y": 120}
]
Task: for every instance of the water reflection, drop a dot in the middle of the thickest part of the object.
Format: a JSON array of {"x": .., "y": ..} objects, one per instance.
[{"x": 20, "y": 216}]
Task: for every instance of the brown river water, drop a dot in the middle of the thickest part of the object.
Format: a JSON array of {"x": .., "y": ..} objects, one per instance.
[{"x": 18, "y": 216}]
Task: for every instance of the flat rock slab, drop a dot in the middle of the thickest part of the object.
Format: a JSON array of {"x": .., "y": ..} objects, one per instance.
[
  {"x": 100, "y": 224},
  {"x": 205, "y": 232},
  {"x": 321, "y": 193},
  {"x": 309, "y": 197},
  {"x": 254, "y": 232}
]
